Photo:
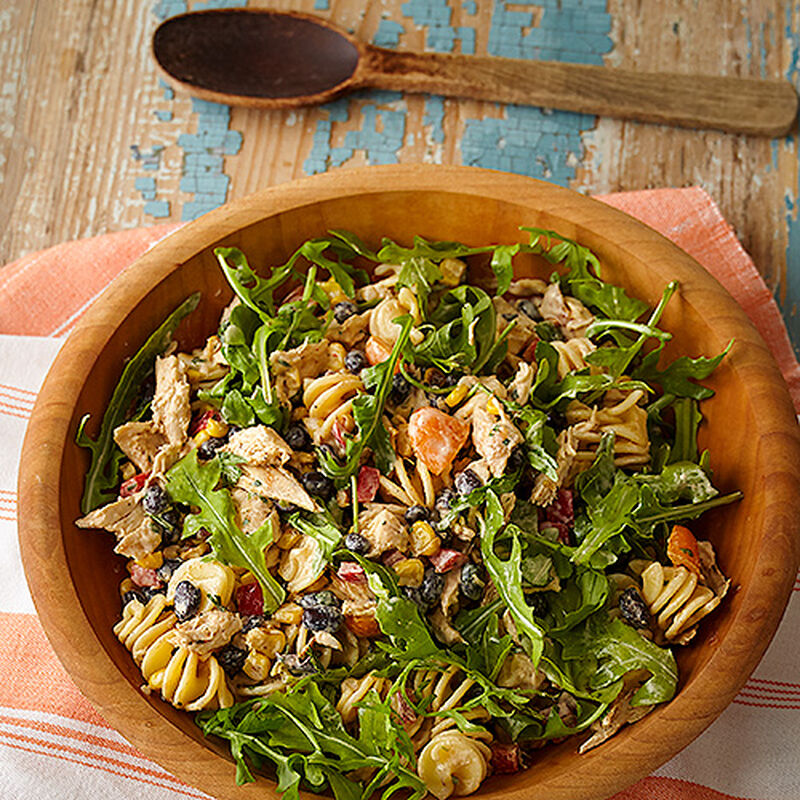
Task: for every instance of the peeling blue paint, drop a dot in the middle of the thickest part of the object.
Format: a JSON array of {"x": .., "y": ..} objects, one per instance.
[
  {"x": 322, "y": 5},
  {"x": 388, "y": 33},
  {"x": 149, "y": 159},
  {"x": 146, "y": 187},
  {"x": 157, "y": 208},
  {"x": 434, "y": 117},
  {"x": 164, "y": 9},
  {"x": 163, "y": 116},
  {"x": 470, "y": 7},
  {"x": 168, "y": 93}
]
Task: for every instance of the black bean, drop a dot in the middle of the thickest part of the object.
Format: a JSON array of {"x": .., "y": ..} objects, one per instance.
[
  {"x": 322, "y": 618},
  {"x": 417, "y": 513},
  {"x": 318, "y": 484},
  {"x": 254, "y": 621},
  {"x": 444, "y": 499},
  {"x": 466, "y": 482},
  {"x": 155, "y": 500},
  {"x": 344, "y": 310},
  {"x": 323, "y": 598},
  {"x": 187, "y": 600},
  {"x": 298, "y": 438},
  {"x": 231, "y": 659},
  {"x": 356, "y": 543},
  {"x": 355, "y": 361},
  {"x": 453, "y": 378},
  {"x": 401, "y": 389},
  {"x": 529, "y": 309},
  {"x": 132, "y": 594},
  {"x": 430, "y": 589},
  {"x": 169, "y": 566},
  {"x": 634, "y": 609},
  {"x": 208, "y": 449},
  {"x": 471, "y": 581},
  {"x": 517, "y": 460}
]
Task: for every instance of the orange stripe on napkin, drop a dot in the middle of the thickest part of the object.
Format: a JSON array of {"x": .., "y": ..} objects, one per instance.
[
  {"x": 33, "y": 678},
  {"x": 80, "y": 270}
]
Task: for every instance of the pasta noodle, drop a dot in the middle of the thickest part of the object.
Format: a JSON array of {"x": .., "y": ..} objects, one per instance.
[
  {"x": 453, "y": 764},
  {"x": 572, "y": 355},
  {"x": 183, "y": 678},
  {"x": 329, "y": 399}
]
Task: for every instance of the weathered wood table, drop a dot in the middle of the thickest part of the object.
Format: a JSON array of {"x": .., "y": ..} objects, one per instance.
[{"x": 92, "y": 141}]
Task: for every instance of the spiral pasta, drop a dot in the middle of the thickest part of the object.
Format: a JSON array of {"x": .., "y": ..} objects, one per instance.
[
  {"x": 184, "y": 679},
  {"x": 676, "y": 599},
  {"x": 354, "y": 690},
  {"x": 414, "y": 489},
  {"x": 453, "y": 764},
  {"x": 572, "y": 355},
  {"x": 329, "y": 399},
  {"x": 620, "y": 415}
]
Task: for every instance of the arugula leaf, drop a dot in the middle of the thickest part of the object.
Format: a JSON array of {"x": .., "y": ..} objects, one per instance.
[
  {"x": 677, "y": 378},
  {"x": 611, "y": 301},
  {"x": 471, "y": 622},
  {"x": 502, "y": 267},
  {"x": 620, "y": 649},
  {"x": 608, "y": 517},
  {"x": 681, "y": 480},
  {"x": 103, "y": 472},
  {"x": 420, "y": 274},
  {"x": 488, "y": 658},
  {"x": 687, "y": 420},
  {"x": 505, "y": 574},
  {"x": 650, "y": 512},
  {"x": 368, "y": 415},
  {"x": 189, "y": 482},
  {"x": 596, "y": 482}
]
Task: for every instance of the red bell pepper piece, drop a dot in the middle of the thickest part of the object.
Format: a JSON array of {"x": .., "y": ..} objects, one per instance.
[
  {"x": 250, "y": 599},
  {"x": 445, "y": 559},
  {"x": 369, "y": 479}
]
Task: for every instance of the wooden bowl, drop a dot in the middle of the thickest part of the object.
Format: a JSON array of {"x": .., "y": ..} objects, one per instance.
[{"x": 750, "y": 430}]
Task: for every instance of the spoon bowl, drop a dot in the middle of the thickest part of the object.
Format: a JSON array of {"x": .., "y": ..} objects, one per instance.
[{"x": 269, "y": 59}]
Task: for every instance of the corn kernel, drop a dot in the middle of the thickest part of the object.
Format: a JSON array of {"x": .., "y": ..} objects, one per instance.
[
  {"x": 424, "y": 541},
  {"x": 200, "y": 437},
  {"x": 457, "y": 395},
  {"x": 126, "y": 586},
  {"x": 257, "y": 666},
  {"x": 216, "y": 428},
  {"x": 288, "y": 614},
  {"x": 194, "y": 375},
  {"x": 409, "y": 571},
  {"x": 493, "y": 406},
  {"x": 333, "y": 290},
  {"x": 268, "y": 641},
  {"x": 452, "y": 270},
  {"x": 151, "y": 561}
]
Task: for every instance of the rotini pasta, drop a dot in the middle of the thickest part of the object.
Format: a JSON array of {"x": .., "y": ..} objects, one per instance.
[
  {"x": 329, "y": 400},
  {"x": 572, "y": 355}
]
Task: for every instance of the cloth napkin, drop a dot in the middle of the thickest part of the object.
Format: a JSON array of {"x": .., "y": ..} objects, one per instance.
[{"x": 53, "y": 743}]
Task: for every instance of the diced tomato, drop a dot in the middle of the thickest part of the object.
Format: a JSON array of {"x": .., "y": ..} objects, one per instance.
[
  {"x": 445, "y": 559},
  {"x": 133, "y": 485},
  {"x": 682, "y": 549},
  {"x": 362, "y": 625},
  {"x": 201, "y": 420},
  {"x": 376, "y": 351},
  {"x": 250, "y": 599},
  {"x": 352, "y": 572},
  {"x": 436, "y": 437},
  {"x": 369, "y": 479},
  {"x": 505, "y": 758},
  {"x": 144, "y": 577},
  {"x": 561, "y": 509},
  {"x": 529, "y": 354}
]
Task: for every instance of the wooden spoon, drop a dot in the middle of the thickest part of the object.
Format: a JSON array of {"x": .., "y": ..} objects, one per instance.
[{"x": 268, "y": 59}]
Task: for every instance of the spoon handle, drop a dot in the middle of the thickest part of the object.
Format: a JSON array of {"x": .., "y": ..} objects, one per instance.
[{"x": 735, "y": 105}]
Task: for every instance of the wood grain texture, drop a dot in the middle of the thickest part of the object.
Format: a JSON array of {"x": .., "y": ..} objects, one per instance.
[{"x": 751, "y": 433}]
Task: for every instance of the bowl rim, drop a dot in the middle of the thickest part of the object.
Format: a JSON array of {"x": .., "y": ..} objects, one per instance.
[{"x": 41, "y": 541}]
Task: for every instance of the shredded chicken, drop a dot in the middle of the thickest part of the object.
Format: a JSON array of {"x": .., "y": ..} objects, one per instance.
[
  {"x": 525, "y": 287},
  {"x": 125, "y": 518},
  {"x": 260, "y": 446},
  {"x": 208, "y": 631},
  {"x": 480, "y": 398},
  {"x": 524, "y": 328},
  {"x": 206, "y": 363},
  {"x": 291, "y": 367},
  {"x": 544, "y": 489},
  {"x": 572, "y": 316},
  {"x": 276, "y": 484},
  {"x": 443, "y": 630},
  {"x": 351, "y": 330},
  {"x": 141, "y": 442},
  {"x": 252, "y": 511},
  {"x": 519, "y": 390},
  {"x": 494, "y": 439},
  {"x": 384, "y": 528},
  {"x": 172, "y": 411}
]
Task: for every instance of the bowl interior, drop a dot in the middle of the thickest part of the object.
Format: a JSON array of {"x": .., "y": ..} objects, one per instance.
[{"x": 752, "y": 539}]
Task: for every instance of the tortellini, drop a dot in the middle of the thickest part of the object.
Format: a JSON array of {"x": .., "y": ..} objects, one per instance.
[{"x": 453, "y": 764}]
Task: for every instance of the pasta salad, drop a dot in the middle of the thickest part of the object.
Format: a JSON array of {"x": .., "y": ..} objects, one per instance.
[{"x": 397, "y": 527}]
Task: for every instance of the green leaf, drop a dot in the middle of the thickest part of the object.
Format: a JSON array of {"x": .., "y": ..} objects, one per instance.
[
  {"x": 678, "y": 377},
  {"x": 189, "y": 482},
  {"x": 322, "y": 528},
  {"x": 619, "y": 649},
  {"x": 681, "y": 480},
  {"x": 611, "y": 301},
  {"x": 687, "y": 420},
  {"x": 502, "y": 266},
  {"x": 103, "y": 472},
  {"x": 420, "y": 274},
  {"x": 505, "y": 574}
]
